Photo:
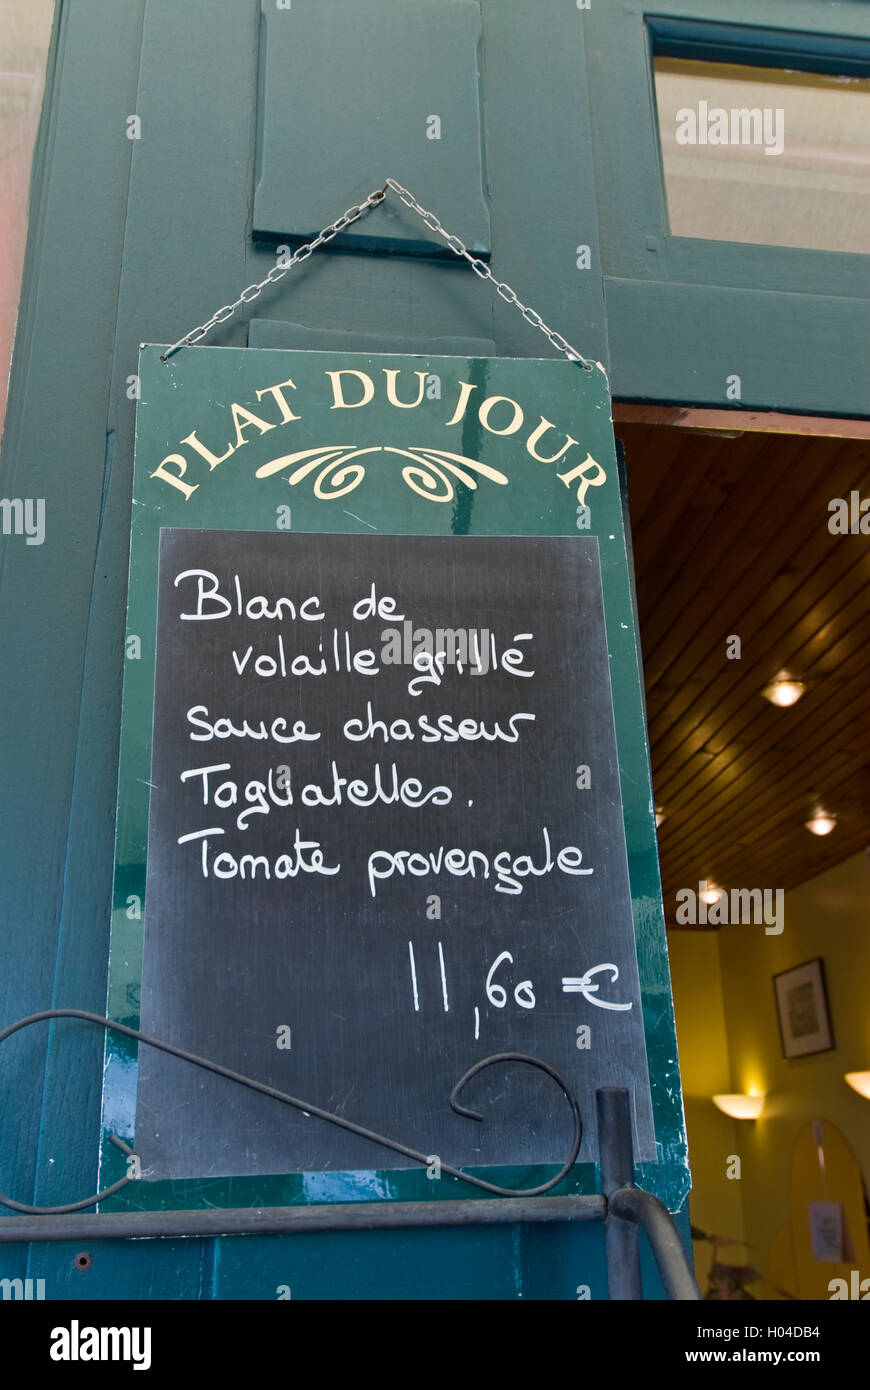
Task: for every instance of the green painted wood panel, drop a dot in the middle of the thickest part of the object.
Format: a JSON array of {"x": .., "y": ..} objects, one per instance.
[
  {"x": 714, "y": 333},
  {"x": 162, "y": 193},
  {"x": 539, "y": 144},
  {"x": 55, "y": 448},
  {"x": 506, "y": 1263},
  {"x": 543, "y": 206},
  {"x": 794, "y": 325},
  {"x": 411, "y": 75}
]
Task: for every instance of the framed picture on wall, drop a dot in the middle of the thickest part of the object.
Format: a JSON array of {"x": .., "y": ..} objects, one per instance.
[{"x": 802, "y": 1009}]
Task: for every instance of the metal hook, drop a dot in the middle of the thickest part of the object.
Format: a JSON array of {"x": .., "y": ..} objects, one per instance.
[{"x": 308, "y": 1109}]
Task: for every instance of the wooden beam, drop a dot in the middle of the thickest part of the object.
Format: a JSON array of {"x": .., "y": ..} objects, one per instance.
[{"x": 735, "y": 422}]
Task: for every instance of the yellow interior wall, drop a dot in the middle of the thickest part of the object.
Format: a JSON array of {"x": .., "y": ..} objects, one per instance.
[
  {"x": 715, "y": 1202},
  {"x": 827, "y": 917}
]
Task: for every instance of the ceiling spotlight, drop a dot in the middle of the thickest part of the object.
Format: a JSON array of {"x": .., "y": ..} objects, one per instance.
[
  {"x": 784, "y": 691},
  {"x": 710, "y": 894},
  {"x": 660, "y": 816},
  {"x": 821, "y": 823}
]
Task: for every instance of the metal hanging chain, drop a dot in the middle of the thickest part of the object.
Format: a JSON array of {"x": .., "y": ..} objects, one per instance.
[
  {"x": 277, "y": 271},
  {"x": 456, "y": 245},
  {"x": 482, "y": 269}
]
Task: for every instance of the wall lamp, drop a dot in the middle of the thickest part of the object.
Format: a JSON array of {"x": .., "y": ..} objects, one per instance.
[
  {"x": 741, "y": 1107},
  {"x": 860, "y": 1082}
]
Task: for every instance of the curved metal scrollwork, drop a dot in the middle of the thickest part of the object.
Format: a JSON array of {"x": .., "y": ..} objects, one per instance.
[{"x": 307, "y": 1108}]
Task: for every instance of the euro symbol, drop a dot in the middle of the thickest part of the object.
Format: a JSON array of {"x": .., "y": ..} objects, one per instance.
[{"x": 583, "y": 985}]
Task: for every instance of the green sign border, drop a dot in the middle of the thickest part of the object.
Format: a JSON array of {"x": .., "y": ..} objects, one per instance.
[{"x": 194, "y": 391}]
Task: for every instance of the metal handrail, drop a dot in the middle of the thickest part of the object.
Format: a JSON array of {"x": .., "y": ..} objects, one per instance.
[
  {"x": 621, "y": 1206},
  {"x": 633, "y": 1204},
  {"x": 626, "y": 1205}
]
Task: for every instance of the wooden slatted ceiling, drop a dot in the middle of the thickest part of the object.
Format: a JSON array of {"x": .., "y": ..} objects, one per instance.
[{"x": 731, "y": 538}]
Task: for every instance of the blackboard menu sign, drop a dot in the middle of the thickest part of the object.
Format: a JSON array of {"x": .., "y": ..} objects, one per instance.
[
  {"x": 384, "y": 803},
  {"x": 385, "y": 841}
]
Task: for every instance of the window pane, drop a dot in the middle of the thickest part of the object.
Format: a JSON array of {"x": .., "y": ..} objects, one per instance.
[
  {"x": 762, "y": 155},
  {"x": 25, "y": 30}
]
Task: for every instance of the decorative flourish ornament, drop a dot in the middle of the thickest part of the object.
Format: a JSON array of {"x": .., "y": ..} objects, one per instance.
[{"x": 431, "y": 478}]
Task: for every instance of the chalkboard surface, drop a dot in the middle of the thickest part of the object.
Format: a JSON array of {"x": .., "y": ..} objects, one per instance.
[{"x": 385, "y": 841}]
